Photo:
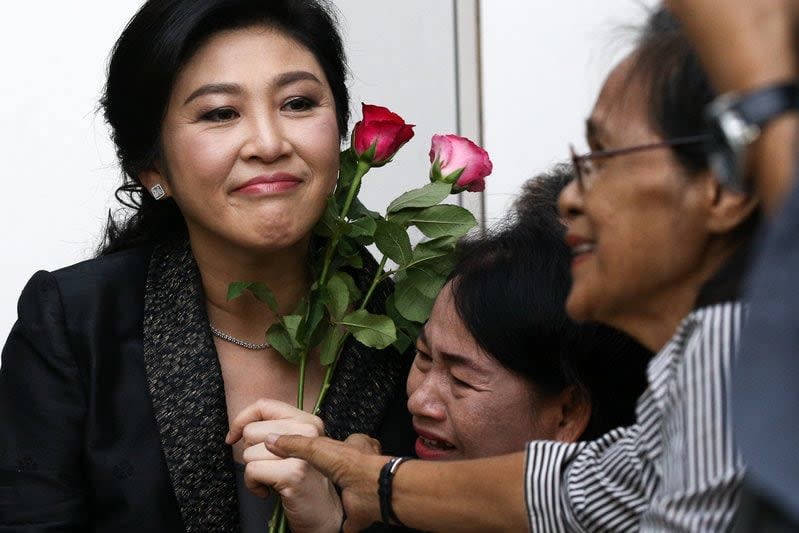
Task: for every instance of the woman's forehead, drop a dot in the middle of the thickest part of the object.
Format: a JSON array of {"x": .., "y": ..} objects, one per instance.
[{"x": 621, "y": 111}]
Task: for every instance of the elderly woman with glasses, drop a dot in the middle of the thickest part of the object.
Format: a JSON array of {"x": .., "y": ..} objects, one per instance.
[{"x": 658, "y": 251}]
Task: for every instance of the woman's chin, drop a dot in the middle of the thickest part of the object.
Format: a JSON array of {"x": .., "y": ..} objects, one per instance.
[{"x": 578, "y": 306}]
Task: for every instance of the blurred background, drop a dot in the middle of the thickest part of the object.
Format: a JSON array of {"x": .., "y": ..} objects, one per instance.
[{"x": 519, "y": 76}]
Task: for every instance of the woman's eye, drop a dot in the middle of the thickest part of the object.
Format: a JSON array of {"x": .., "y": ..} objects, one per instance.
[
  {"x": 460, "y": 383},
  {"x": 421, "y": 358},
  {"x": 223, "y": 114},
  {"x": 298, "y": 104}
]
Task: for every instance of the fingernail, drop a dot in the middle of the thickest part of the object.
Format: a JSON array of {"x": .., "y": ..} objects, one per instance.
[
  {"x": 271, "y": 438},
  {"x": 227, "y": 438}
]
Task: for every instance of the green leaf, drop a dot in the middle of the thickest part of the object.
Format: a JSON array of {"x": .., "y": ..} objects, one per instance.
[
  {"x": 331, "y": 345},
  {"x": 376, "y": 331},
  {"x": 393, "y": 241},
  {"x": 438, "y": 254},
  {"x": 427, "y": 196},
  {"x": 258, "y": 289},
  {"x": 358, "y": 210},
  {"x": 338, "y": 296},
  {"x": 292, "y": 325},
  {"x": 436, "y": 246},
  {"x": 399, "y": 321},
  {"x": 352, "y": 287},
  {"x": 404, "y": 217},
  {"x": 403, "y": 342},
  {"x": 349, "y": 249},
  {"x": 280, "y": 339},
  {"x": 444, "y": 221},
  {"x": 308, "y": 328},
  {"x": 328, "y": 224},
  {"x": 348, "y": 162},
  {"x": 407, "y": 331},
  {"x": 427, "y": 281},
  {"x": 410, "y": 302},
  {"x": 364, "y": 226}
]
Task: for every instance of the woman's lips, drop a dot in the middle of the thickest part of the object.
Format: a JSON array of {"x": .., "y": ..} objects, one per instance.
[
  {"x": 581, "y": 249},
  {"x": 430, "y": 447},
  {"x": 269, "y": 184}
]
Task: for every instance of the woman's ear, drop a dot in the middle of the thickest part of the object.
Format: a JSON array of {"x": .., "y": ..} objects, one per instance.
[
  {"x": 727, "y": 208},
  {"x": 575, "y": 413},
  {"x": 153, "y": 177}
]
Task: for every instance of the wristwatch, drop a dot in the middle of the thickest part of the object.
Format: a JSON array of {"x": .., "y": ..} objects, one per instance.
[{"x": 736, "y": 120}]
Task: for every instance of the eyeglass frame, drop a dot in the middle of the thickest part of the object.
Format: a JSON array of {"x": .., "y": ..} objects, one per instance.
[{"x": 606, "y": 154}]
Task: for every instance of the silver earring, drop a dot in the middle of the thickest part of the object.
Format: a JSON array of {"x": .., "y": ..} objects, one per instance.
[{"x": 157, "y": 191}]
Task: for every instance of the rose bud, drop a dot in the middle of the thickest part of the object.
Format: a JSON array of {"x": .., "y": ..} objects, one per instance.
[
  {"x": 379, "y": 135},
  {"x": 458, "y": 160}
]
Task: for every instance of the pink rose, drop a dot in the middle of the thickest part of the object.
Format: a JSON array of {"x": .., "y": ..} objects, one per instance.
[
  {"x": 458, "y": 160},
  {"x": 378, "y": 136}
]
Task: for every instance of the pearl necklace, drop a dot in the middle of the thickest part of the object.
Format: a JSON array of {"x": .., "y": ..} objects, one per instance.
[{"x": 238, "y": 342}]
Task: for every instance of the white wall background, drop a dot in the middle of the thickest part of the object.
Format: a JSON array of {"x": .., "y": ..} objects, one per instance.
[{"x": 542, "y": 64}]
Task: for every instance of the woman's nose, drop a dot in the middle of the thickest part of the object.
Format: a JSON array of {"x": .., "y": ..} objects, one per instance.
[
  {"x": 570, "y": 201},
  {"x": 265, "y": 139},
  {"x": 425, "y": 398}
]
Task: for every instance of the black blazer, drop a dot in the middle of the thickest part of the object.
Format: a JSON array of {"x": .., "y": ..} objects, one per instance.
[{"x": 112, "y": 406}]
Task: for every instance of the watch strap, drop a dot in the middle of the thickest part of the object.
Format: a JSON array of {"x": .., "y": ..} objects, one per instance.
[{"x": 760, "y": 106}]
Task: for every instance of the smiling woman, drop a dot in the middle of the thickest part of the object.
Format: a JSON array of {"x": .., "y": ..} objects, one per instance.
[
  {"x": 122, "y": 373},
  {"x": 249, "y": 135}
]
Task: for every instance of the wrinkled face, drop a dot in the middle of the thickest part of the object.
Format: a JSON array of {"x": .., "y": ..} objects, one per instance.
[
  {"x": 464, "y": 403},
  {"x": 636, "y": 230},
  {"x": 250, "y": 141}
]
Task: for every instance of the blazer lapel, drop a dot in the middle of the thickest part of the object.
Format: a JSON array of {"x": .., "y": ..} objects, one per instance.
[{"x": 187, "y": 392}]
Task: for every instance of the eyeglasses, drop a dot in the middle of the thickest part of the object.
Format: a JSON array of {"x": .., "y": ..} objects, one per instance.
[{"x": 584, "y": 164}]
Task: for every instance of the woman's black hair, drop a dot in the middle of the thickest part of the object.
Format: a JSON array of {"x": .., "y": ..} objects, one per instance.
[
  {"x": 677, "y": 88},
  {"x": 144, "y": 64},
  {"x": 510, "y": 289},
  {"x": 678, "y": 91}
]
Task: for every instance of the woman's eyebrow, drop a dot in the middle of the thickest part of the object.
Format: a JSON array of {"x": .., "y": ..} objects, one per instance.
[
  {"x": 214, "y": 88},
  {"x": 461, "y": 360},
  {"x": 287, "y": 78},
  {"x": 283, "y": 79}
]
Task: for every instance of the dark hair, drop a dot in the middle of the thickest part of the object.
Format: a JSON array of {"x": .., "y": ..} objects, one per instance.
[
  {"x": 677, "y": 88},
  {"x": 144, "y": 64},
  {"x": 510, "y": 289},
  {"x": 678, "y": 91},
  {"x": 539, "y": 196}
]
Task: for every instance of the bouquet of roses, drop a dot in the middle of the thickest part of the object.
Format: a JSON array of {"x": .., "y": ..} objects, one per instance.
[{"x": 335, "y": 308}]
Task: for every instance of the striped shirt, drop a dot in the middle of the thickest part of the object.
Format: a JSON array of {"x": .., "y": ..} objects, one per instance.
[{"x": 675, "y": 469}]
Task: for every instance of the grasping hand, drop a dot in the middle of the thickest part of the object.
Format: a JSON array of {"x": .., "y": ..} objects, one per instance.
[
  {"x": 353, "y": 465},
  {"x": 309, "y": 499}
]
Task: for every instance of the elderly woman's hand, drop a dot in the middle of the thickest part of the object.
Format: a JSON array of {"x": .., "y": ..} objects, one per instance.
[
  {"x": 744, "y": 44},
  {"x": 353, "y": 465},
  {"x": 309, "y": 499}
]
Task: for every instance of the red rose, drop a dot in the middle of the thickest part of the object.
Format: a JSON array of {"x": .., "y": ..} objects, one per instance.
[
  {"x": 458, "y": 160},
  {"x": 378, "y": 136}
]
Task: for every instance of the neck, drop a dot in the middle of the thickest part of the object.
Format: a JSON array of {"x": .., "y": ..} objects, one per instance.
[
  {"x": 283, "y": 271},
  {"x": 654, "y": 324}
]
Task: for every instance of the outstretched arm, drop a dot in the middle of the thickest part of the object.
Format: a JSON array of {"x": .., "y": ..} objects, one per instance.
[{"x": 479, "y": 495}]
